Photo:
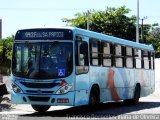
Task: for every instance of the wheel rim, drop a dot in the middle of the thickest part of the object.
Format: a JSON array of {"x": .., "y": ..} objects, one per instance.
[{"x": 93, "y": 100}]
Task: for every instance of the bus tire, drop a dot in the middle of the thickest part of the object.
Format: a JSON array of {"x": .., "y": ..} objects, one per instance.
[
  {"x": 137, "y": 93},
  {"x": 40, "y": 108},
  {"x": 1, "y": 98},
  {"x": 135, "y": 99},
  {"x": 94, "y": 99}
]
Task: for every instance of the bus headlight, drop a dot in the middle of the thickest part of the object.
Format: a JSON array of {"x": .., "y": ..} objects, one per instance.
[
  {"x": 16, "y": 88},
  {"x": 64, "y": 89}
]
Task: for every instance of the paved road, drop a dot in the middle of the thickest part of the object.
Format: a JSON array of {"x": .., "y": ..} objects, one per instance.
[{"x": 148, "y": 108}]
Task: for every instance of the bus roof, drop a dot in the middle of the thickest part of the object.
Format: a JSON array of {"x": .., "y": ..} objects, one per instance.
[
  {"x": 112, "y": 39},
  {"x": 101, "y": 36}
]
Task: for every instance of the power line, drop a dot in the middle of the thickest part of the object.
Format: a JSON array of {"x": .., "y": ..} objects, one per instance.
[{"x": 56, "y": 9}]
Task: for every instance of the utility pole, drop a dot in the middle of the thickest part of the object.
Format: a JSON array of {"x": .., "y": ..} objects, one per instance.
[
  {"x": 142, "y": 31},
  {"x": 137, "y": 26},
  {"x": 88, "y": 19}
]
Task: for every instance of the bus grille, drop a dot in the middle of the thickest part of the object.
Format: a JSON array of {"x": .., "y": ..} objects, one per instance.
[
  {"x": 39, "y": 85},
  {"x": 41, "y": 92},
  {"x": 39, "y": 99}
]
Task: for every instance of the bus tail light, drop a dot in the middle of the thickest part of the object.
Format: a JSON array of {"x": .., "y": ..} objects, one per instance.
[
  {"x": 64, "y": 89},
  {"x": 16, "y": 88}
]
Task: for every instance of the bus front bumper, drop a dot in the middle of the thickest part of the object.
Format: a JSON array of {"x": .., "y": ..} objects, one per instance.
[{"x": 52, "y": 100}]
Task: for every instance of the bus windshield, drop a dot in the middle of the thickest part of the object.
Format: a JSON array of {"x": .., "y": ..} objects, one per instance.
[{"x": 42, "y": 60}]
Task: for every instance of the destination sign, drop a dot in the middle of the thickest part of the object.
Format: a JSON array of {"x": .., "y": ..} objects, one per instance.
[{"x": 44, "y": 34}]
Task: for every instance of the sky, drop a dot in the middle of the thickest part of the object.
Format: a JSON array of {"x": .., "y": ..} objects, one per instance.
[{"x": 21, "y": 14}]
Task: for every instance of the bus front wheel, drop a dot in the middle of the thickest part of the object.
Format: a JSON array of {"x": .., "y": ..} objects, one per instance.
[
  {"x": 94, "y": 99},
  {"x": 40, "y": 108}
]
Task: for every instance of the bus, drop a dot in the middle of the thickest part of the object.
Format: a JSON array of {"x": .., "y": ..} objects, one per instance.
[{"x": 70, "y": 66}]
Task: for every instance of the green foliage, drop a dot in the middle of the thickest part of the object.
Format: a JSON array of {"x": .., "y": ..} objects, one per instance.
[
  {"x": 112, "y": 21},
  {"x": 154, "y": 39},
  {"x": 5, "y": 54},
  {"x": 115, "y": 22}
]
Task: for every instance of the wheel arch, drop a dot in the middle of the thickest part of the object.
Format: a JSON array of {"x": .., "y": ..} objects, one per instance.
[{"x": 95, "y": 87}]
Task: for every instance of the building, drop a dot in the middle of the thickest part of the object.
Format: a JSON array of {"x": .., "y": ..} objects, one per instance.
[{"x": 0, "y": 28}]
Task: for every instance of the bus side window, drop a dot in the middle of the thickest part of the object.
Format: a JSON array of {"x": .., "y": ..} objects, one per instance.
[
  {"x": 118, "y": 56},
  {"x": 137, "y": 54},
  {"x": 145, "y": 57},
  {"x": 81, "y": 57},
  {"x": 84, "y": 54},
  {"x": 95, "y": 57},
  {"x": 129, "y": 57},
  {"x": 107, "y": 61}
]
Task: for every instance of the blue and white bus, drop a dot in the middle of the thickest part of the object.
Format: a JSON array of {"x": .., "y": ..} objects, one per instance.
[{"x": 73, "y": 67}]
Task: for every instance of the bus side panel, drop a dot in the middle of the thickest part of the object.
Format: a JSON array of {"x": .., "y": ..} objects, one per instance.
[
  {"x": 99, "y": 75},
  {"x": 81, "y": 89},
  {"x": 152, "y": 81},
  {"x": 124, "y": 82},
  {"x": 146, "y": 79},
  {"x": 105, "y": 93},
  {"x": 120, "y": 82},
  {"x": 115, "y": 83},
  {"x": 96, "y": 76}
]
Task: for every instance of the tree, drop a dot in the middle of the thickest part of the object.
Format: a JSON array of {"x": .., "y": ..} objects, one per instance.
[
  {"x": 5, "y": 54},
  {"x": 146, "y": 29},
  {"x": 112, "y": 21},
  {"x": 154, "y": 39}
]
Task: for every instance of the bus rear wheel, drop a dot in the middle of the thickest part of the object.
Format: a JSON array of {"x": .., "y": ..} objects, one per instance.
[
  {"x": 136, "y": 97},
  {"x": 40, "y": 108}
]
